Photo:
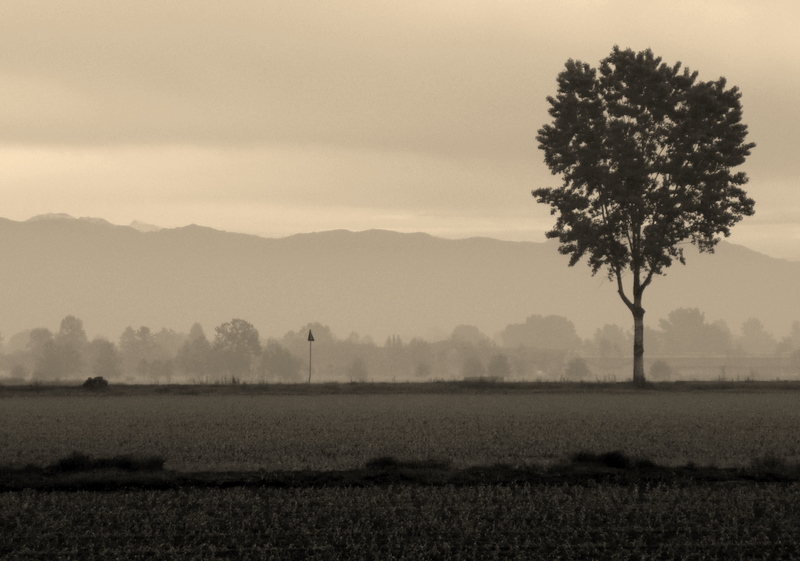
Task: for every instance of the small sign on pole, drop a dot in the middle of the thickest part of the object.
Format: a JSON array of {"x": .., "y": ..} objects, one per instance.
[{"x": 310, "y": 340}]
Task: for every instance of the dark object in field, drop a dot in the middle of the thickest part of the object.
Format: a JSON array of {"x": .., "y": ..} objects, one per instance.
[
  {"x": 78, "y": 462},
  {"x": 615, "y": 459},
  {"x": 392, "y": 463},
  {"x": 80, "y": 472},
  {"x": 96, "y": 383}
]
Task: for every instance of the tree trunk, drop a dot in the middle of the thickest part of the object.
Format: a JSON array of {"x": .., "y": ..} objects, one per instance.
[
  {"x": 638, "y": 319},
  {"x": 638, "y": 343}
]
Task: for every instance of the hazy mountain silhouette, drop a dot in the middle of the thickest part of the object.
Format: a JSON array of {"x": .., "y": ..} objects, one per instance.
[{"x": 374, "y": 282}]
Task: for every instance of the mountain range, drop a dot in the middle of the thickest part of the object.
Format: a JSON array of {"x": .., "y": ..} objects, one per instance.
[{"x": 374, "y": 282}]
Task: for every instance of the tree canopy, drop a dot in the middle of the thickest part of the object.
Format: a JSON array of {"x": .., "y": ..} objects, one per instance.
[
  {"x": 646, "y": 153},
  {"x": 236, "y": 344}
]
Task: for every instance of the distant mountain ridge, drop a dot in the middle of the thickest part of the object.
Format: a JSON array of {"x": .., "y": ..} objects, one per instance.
[{"x": 375, "y": 282}]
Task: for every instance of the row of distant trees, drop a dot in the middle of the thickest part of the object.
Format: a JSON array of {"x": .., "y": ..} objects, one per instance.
[
  {"x": 235, "y": 351},
  {"x": 541, "y": 346},
  {"x": 684, "y": 331}
]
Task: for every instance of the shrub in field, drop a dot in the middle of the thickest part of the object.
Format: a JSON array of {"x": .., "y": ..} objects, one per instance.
[
  {"x": 278, "y": 363},
  {"x": 615, "y": 459},
  {"x": 577, "y": 369},
  {"x": 358, "y": 370},
  {"x": 473, "y": 368},
  {"x": 769, "y": 462},
  {"x": 79, "y": 462},
  {"x": 499, "y": 367},
  {"x": 96, "y": 383},
  {"x": 660, "y": 370},
  {"x": 422, "y": 371},
  {"x": 388, "y": 463},
  {"x": 19, "y": 372},
  {"x": 384, "y": 462}
]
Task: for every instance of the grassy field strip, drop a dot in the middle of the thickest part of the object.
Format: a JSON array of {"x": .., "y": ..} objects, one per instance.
[{"x": 319, "y": 432}]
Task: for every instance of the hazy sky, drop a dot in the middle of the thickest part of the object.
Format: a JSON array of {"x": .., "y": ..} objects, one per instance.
[{"x": 274, "y": 118}]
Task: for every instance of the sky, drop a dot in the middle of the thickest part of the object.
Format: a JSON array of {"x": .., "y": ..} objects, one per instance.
[{"x": 275, "y": 118}]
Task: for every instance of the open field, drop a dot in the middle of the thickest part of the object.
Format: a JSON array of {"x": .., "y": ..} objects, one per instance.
[
  {"x": 251, "y": 430},
  {"x": 602, "y": 514}
]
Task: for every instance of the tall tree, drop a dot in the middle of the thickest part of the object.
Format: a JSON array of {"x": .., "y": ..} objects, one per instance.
[
  {"x": 542, "y": 332},
  {"x": 236, "y": 344},
  {"x": 756, "y": 339},
  {"x": 685, "y": 331},
  {"x": 105, "y": 359},
  {"x": 646, "y": 155},
  {"x": 71, "y": 345},
  {"x": 195, "y": 355},
  {"x": 138, "y": 349},
  {"x": 42, "y": 347},
  {"x": 278, "y": 363}
]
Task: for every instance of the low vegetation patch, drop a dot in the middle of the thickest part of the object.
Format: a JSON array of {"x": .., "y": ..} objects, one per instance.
[
  {"x": 79, "y": 471},
  {"x": 96, "y": 383},
  {"x": 390, "y": 462},
  {"x": 77, "y": 462},
  {"x": 615, "y": 459}
]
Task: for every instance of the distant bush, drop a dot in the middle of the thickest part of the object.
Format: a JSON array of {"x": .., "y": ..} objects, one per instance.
[
  {"x": 96, "y": 383},
  {"x": 19, "y": 372},
  {"x": 769, "y": 462},
  {"x": 473, "y": 368},
  {"x": 78, "y": 462},
  {"x": 423, "y": 370},
  {"x": 577, "y": 369},
  {"x": 615, "y": 459},
  {"x": 391, "y": 463},
  {"x": 660, "y": 370},
  {"x": 499, "y": 367},
  {"x": 358, "y": 370},
  {"x": 384, "y": 462}
]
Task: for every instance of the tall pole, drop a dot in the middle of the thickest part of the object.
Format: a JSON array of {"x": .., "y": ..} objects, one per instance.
[{"x": 310, "y": 340}]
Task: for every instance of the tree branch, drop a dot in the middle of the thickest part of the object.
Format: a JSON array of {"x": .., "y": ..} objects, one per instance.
[{"x": 621, "y": 289}]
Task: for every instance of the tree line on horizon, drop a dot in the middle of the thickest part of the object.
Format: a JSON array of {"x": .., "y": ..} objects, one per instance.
[{"x": 542, "y": 347}]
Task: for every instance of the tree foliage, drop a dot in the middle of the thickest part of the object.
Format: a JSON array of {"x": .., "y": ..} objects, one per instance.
[
  {"x": 137, "y": 348},
  {"x": 646, "y": 152},
  {"x": 58, "y": 356},
  {"x": 473, "y": 368},
  {"x": 195, "y": 355},
  {"x": 236, "y": 344},
  {"x": 499, "y": 367},
  {"x": 610, "y": 340},
  {"x": 756, "y": 339},
  {"x": 542, "y": 332},
  {"x": 105, "y": 359},
  {"x": 685, "y": 331},
  {"x": 577, "y": 370},
  {"x": 71, "y": 346},
  {"x": 278, "y": 363},
  {"x": 42, "y": 347},
  {"x": 357, "y": 372}
]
